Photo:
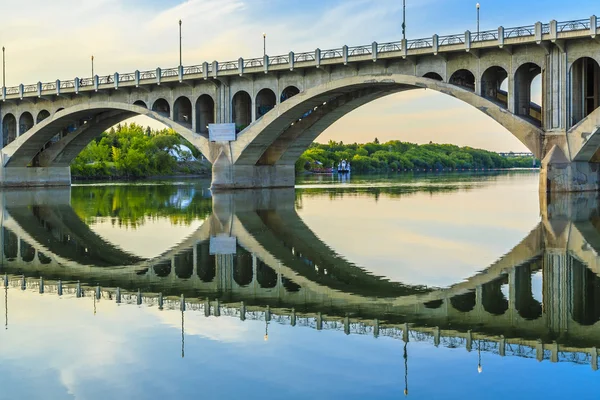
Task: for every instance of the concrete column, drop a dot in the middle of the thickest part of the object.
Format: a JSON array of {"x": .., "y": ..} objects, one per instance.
[
  {"x": 435, "y": 41},
  {"x": 39, "y": 87},
  {"x": 205, "y": 70},
  {"x": 553, "y": 30},
  {"x": 293, "y": 317},
  {"x": 538, "y": 32},
  {"x": 539, "y": 351},
  {"x": 21, "y": 90},
  {"x": 468, "y": 40},
  {"x": 594, "y": 358},
  {"x": 436, "y": 336},
  {"x": 266, "y": 63},
  {"x": 116, "y": 80},
  {"x": 593, "y": 26},
  {"x": 502, "y": 346},
  {"x": 345, "y": 54},
  {"x": 374, "y": 50},
  {"x": 243, "y": 311},
  {"x": 137, "y": 78},
  {"x": 180, "y": 73},
  {"x": 319, "y": 321},
  {"x": 241, "y": 66},
  {"x": 215, "y": 69},
  {"x": 291, "y": 60},
  {"x": 58, "y": 87},
  {"x": 501, "y": 36},
  {"x": 318, "y": 57},
  {"x": 404, "y": 48},
  {"x": 158, "y": 76},
  {"x": 226, "y": 176}
]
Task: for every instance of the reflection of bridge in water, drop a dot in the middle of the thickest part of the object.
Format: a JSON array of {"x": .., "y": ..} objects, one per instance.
[{"x": 266, "y": 264}]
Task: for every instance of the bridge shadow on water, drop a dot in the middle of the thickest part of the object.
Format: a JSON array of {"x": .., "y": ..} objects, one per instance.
[{"x": 254, "y": 258}]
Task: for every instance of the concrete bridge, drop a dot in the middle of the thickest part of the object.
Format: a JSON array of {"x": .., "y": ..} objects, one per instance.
[
  {"x": 282, "y": 103},
  {"x": 279, "y": 267}
]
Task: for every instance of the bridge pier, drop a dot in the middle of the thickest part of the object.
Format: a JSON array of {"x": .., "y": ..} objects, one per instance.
[
  {"x": 231, "y": 177},
  {"x": 569, "y": 176},
  {"x": 35, "y": 176}
]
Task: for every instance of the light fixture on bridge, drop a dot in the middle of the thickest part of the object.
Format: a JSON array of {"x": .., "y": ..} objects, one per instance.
[
  {"x": 478, "y": 7},
  {"x": 3, "y": 67},
  {"x": 264, "y": 44}
]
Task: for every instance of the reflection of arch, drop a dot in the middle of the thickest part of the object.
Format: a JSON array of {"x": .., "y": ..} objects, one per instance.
[
  {"x": 162, "y": 269},
  {"x": 277, "y": 141},
  {"x": 184, "y": 264},
  {"x": 290, "y": 285},
  {"x": 25, "y": 122},
  {"x": 27, "y": 252},
  {"x": 241, "y": 106},
  {"x": 9, "y": 129},
  {"x": 289, "y": 92},
  {"x": 433, "y": 75},
  {"x": 524, "y": 105},
  {"x": 527, "y": 307},
  {"x": 205, "y": 113},
  {"x": 463, "y": 302},
  {"x": 182, "y": 111},
  {"x": 491, "y": 81},
  {"x": 493, "y": 299},
  {"x": 434, "y": 304},
  {"x": 266, "y": 277},
  {"x": 10, "y": 244},
  {"x": 161, "y": 106},
  {"x": 140, "y": 103},
  {"x": 206, "y": 263},
  {"x": 242, "y": 268},
  {"x": 585, "y": 294},
  {"x": 42, "y": 115},
  {"x": 463, "y": 78},
  {"x": 584, "y": 82},
  {"x": 44, "y": 259}
]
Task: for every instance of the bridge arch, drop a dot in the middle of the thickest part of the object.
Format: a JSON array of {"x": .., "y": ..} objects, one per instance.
[
  {"x": 205, "y": 113},
  {"x": 288, "y": 93},
  {"x": 140, "y": 103},
  {"x": 463, "y": 78},
  {"x": 182, "y": 111},
  {"x": 42, "y": 115},
  {"x": 266, "y": 100},
  {"x": 241, "y": 110},
  {"x": 9, "y": 129},
  {"x": 523, "y": 92},
  {"x": 584, "y": 88},
  {"x": 162, "y": 107},
  {"x": 242, "y": 267},
  {"x": 434, "y": 75},
  {"x": 279, "y": 138},
  {"x": 492, "y": 80},
  {"x": 100, "y": 117},
  {"x": 26, "y": 122}
]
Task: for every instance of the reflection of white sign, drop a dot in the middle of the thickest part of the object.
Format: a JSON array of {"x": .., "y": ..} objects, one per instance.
[
  {"x": 222, "y": 245},
  {"x": 221, "y": 132}
]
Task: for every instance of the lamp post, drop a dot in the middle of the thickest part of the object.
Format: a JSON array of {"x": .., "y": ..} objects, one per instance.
[
  {"x": 403, "y": 19},
  {"x": 3, "y": 68},
  {"x": 180, "y": 60},
  {"x": 478, "y": 6},
  {"x": 92, "y": 67},
  {"x": 264, "y": 44}
]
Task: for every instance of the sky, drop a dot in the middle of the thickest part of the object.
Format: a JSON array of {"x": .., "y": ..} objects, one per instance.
[{"x": 53, "y": 40}]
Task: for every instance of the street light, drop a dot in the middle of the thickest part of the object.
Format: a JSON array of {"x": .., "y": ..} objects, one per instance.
[
  {"x": 92, "y": 67},
  {"x": 180, "y": 62},
  {"x": 478, "y": 6},
  {"x": 403, "y": 19},
  {"x": 264, "y": 44},
  {"x": 3, "y": 68}
]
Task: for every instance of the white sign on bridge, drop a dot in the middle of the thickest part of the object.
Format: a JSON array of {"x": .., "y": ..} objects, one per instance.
[
  {"x": 222, "y": 244},
  {"x": 221, "y": 132}
]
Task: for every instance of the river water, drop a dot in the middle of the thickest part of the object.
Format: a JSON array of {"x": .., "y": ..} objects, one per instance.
[{"x": 431, "y": 286}]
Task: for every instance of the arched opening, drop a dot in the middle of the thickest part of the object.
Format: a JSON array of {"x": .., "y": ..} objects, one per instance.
[
  {"x": 44, "y": 259},
  {"x": 60, "y": 109},
  {"x": 42, "y": 115},
  {"x": 434, "y": 304},
  {"x": 266, "y": 277},
  {"x": 527, "y": 306},
  {"x": 242, "y": 267},
  {"x": 463, "y": 302},
  {"x": 288, "y": 93},
  {"x": 585, "y": 294},
  {"x": 27, "y": 252},
  {"x": 463, "y": 78},
  {"x": 205, "y": 113},
  {"x": 162, "y": 269},
  {"x": 11, "y": 244},
  {"x": 140, "y": 103},
  {"x": 182, "y": 111},
  {"x": 290, "y": 285},
  {"x": 433, "y": 75},
  {"x": 9, "y": 129},
  {"x": 162, "y": 107},
  {"x": 184, "y": 264},
  {"x": 493, "y": 298},
  {"x": 493, "y": 83},
  {"x": 265, "y": 101},
  {"x": 241, "y": 106},
  {"x": 25, "y": 122},
  {"x": 206, "y": 263},
  {"x": 585, "y": 88},
  {"x": 528, "y": 89}
]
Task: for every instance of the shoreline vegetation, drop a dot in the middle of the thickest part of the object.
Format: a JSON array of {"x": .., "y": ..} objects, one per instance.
[
  {"x": 131, "y": 152},
  {"x": 397, "y": 156}
]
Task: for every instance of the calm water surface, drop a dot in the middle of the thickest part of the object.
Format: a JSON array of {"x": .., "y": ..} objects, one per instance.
[{"x": 431, "y": 286}]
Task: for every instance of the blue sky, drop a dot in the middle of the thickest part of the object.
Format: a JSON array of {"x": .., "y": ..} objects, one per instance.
[{"x": 50, "y": 40}]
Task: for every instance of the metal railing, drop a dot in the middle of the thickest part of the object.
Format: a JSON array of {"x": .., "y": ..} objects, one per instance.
[{"x": 423, "y": 43}]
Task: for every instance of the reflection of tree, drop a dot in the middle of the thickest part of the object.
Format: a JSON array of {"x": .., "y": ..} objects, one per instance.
[{"x": 131, "y": 205}]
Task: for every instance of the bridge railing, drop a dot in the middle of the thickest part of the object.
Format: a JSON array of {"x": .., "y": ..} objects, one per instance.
[{"x": 423, "y": 43}]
